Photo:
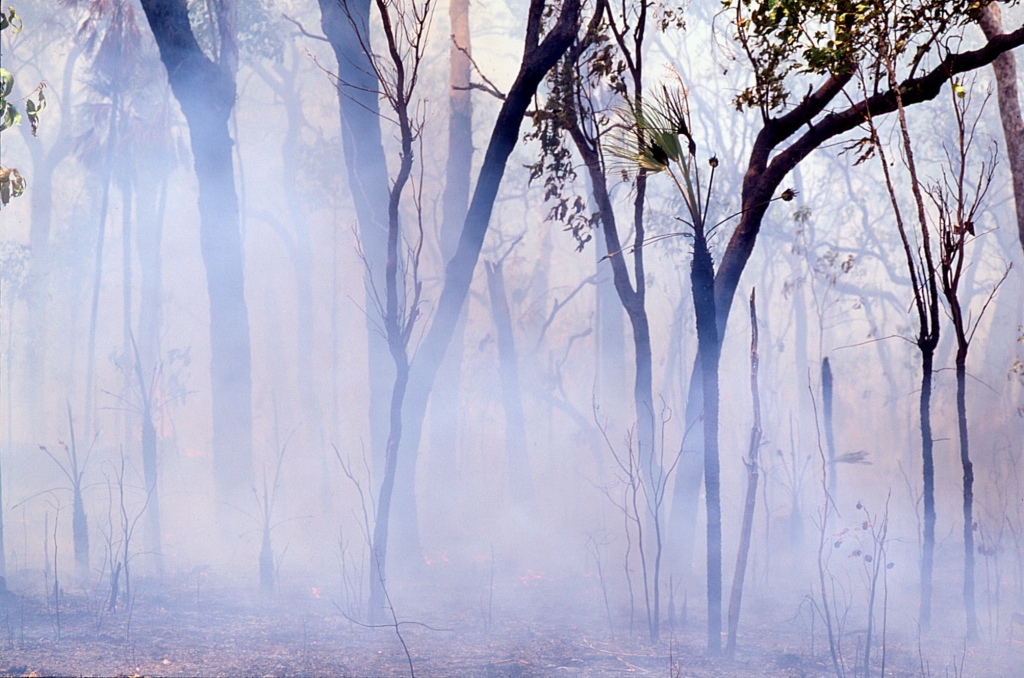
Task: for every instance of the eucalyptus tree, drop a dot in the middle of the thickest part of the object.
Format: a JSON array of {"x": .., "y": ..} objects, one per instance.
[
  {"x": 110, "y": 35},
  {"x": 46, "y": 153},
  {"x": 601, "y": 74},
  {"x": 444, "y": 405},
  {"x": 792, "y": 45},
  {"x": 1004, "y": 68},
  {"x": 959, "y": 199},
  {"x": 541, "y": 50},
  {"x": 366, "y": 168},
  {"x": 205, "y": 90},
  {"x": 396, "y": 74}
]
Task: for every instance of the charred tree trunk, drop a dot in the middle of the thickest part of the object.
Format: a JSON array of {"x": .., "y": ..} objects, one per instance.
[
  {"x": 928, "y": 491},
  {"x": 206, "y": 93},
  {"x": 702, "y": 280},
  {"x": 359, "y": 108},
  {"x": 80, "y": 536},
  {"x": 520, "y": 477},
  {"x": 750, "y": 501},
  {"x": 968, "y": 469},
  {"x": 830, "y": 439},
  {"x": 153, "y": 500}
]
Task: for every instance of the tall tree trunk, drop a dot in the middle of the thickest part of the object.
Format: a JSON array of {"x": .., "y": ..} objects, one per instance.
[
  {"x": 520, "y": 477},
  {"x": 37, "y": 289},
  {"x": 611, "y": 344},
  {"x": 928, "y": 474},
  {"x": 444, "y": 405},
  {"x": 702, "y": 281},
  {"x": 750, "y": 501},
  {"x": 1005, "y": 69},
  {"x": 127, "y": 352},
  {"x": 97, "y": 274},
  {"x": 368, "y": 181},
  {"x": 830, "y": 439},
  {"x": 206, "y": 93},
  {"x": 968, "y": 468},
  {"x": 151, "y": 180},
  {"x": 538, "y": 57}
]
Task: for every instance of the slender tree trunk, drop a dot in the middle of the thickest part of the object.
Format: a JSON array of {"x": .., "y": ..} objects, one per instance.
[
  {"x": 206, "y": 93},
  {"x": 97, "y": 276},
  {"x": 750, "y": 501},
  {"x": 80, "y": 536},
  {"x": 968, "y": 468},
  {"x": 928, "y": 473},
  {"x": 1005, "y": 70},
  {"x": 368, "y": 180},
  {"x": 539, "y": 56},
  {"x": 702, "y": 281},
  {"x": 444, "y": 405},
  {"x": 378, "y": 556},
  {"x": 520, "y": 477},
  {"x": 830, "y": 440},
  {"x": 611, "y": 344},
  {"x": 151, "y": 200},
  {"x": 127, "y": 352}
]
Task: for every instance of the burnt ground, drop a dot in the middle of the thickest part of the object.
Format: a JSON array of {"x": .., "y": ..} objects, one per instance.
[{"x": 193, "y": 627}]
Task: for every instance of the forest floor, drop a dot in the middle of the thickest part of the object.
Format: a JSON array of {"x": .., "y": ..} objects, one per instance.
[{"x": 194, "y": 628}]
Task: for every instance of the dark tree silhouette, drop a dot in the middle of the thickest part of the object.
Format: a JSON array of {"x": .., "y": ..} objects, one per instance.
[{"x": 205, "y": 91}]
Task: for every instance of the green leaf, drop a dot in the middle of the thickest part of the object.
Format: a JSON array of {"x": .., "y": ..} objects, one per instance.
[
  {"x": 10, "y": 20},
  {"x": 10, "y": 117},
  {"x": 6, "y": 82},
  {"x": 33, "y": 109}
]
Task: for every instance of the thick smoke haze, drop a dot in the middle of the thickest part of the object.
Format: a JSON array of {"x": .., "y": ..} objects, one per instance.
[{"x": 337, "y": 345}]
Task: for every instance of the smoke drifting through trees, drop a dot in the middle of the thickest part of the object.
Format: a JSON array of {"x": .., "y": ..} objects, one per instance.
[{"x": 313, "y": 268}]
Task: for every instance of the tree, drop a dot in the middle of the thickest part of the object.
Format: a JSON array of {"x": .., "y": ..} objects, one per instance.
[
  {"x": 205, "y": 90},
  {"x": 12, "y": 184},
  {"x": 444, "y": 405},
  {"x": 539, "y": 55},
  {"x": 833, "y": 41},
  {"x": 602, "y": 71},
  {"x": 1005, "y": 69},
  {"x": 365, "y": 165},
  {"x": 958, "y": 205}
]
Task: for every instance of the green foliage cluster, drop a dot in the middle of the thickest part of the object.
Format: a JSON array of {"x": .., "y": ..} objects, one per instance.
[
  {"x": 12, "y": 184},
  {"x": 782, "y": 38},
  {"x": 259, "y": 28},
  {"x": 555, "y": 162}
]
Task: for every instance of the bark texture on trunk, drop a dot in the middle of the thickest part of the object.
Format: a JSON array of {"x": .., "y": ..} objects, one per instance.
[{"x": 1005, "y": 69}]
